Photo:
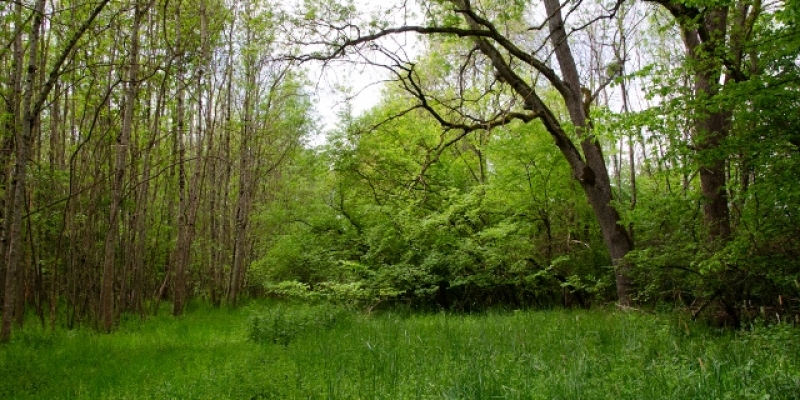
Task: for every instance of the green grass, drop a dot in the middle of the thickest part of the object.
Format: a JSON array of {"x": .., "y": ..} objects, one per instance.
[{"x": 304, "y": 352}]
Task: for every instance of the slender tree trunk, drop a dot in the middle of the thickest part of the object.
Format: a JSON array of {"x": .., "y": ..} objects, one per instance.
[
  {"x": 621, "y": 55},
  {"x": 143, "y": 196},
  {"x": 57, "y": 166},
  {"x": 243, "y": 202},
  {"x": 17, "y": 190},
  {"x": 122, "y": 151},
  {"x": 190, "y": 199},
  {"x": 242, "y": 207},
  {"x": 214, "y": 258},
  {"x": 188, "y": 206},
  {"x": 226, "y": 247},
  {"x": 13, "y": 127},
  {"x": 180, "y": 252}
]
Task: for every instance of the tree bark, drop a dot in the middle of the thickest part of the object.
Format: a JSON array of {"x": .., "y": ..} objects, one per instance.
[
  {"x": 17, "y": 191},
  {"x": 246, "y": 145},
  {"x": 594, "y": 177},
  {"x": 708, "y": 48},
  {"x": 181, "y": 252},
  {"x": 711, "y": 127},
  {"x": 13, "y": 126},
  {"x": 243, "y": 202},
  {"x": 189, "y": 202}
]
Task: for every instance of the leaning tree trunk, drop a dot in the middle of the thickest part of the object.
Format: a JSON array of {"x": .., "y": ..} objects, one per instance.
[
  {"x": 588, "y": 168},
  {"x": 593, "y": 174}
]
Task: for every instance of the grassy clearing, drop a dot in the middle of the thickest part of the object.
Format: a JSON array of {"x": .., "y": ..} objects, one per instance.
[{"x": 304, "y": 352}]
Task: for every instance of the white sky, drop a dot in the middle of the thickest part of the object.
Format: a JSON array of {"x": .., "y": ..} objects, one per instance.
[
  {"x": 362, "y": 84},
  {"x": 343, "y": 81},
  {"x": 350, "y": 80}
]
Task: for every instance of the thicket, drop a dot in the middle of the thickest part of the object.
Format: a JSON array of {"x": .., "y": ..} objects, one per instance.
[
  {"x": 703, "y": 174},
  {"x": 498, "y": 221}
]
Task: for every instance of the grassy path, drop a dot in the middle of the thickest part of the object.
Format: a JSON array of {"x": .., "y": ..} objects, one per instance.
[{"x": 302, "y": 352}]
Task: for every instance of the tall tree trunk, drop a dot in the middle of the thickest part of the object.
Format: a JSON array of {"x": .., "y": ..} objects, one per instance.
[
  {"x": 711, "y": 42},
  {"x": 711, "y": 126},
  {"x": 226, "y": 247},
  {"x": 245, "y": 166},
  {"x": 190, "y": 198},
  {"x": 593, "y": 173},
  {"x": 180, "y": 252},
  {"x": 17, "y": 190},
  {"x": 214, "y": 258},
  {"x": 621, "y": 55},
  {"x": 13, "y": 126},
  {"x": 143, "y": 200},
  {"x": 242, "y": 206},
  {"x": 57, "y": 165},
  {"x": 122, "y": 151},
  {"x": 189, "y": 202}
]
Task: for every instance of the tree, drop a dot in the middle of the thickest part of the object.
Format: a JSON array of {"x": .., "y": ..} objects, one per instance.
[
  {"x": 33, "y": 102},
  {"x": 117, "y": 135},
  {"x": 120, "y": 166},
  {"x": 512, "y": 58},
  {"x": 722, "y": 52}
]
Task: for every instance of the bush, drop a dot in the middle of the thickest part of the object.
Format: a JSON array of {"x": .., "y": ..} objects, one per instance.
[{"x": 282, "y": 324}]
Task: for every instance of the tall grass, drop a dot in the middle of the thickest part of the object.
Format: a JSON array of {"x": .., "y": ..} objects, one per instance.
[{"x": 320, "y": 352}]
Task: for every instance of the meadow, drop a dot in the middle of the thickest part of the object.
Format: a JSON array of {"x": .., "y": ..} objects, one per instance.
[{"x": 297, "y": 351}]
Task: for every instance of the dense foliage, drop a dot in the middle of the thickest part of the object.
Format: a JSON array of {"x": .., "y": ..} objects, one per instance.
[
  {"x": 521, "y": 154},
  {"x": 497, "y": 218}
]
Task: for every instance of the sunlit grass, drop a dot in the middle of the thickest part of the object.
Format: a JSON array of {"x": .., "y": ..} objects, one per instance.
[{"x": 327, "y": 353}]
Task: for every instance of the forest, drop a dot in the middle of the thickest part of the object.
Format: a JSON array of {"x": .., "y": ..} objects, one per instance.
[
  {"x": 429, "y": 199},
  {"x": 520, "y": 154}
]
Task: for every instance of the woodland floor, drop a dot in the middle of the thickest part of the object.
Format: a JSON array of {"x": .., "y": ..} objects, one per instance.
[{"x": 280, "y": 351}]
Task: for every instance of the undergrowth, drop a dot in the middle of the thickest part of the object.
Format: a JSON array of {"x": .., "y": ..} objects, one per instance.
[{"x": 296, "y": 351}]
